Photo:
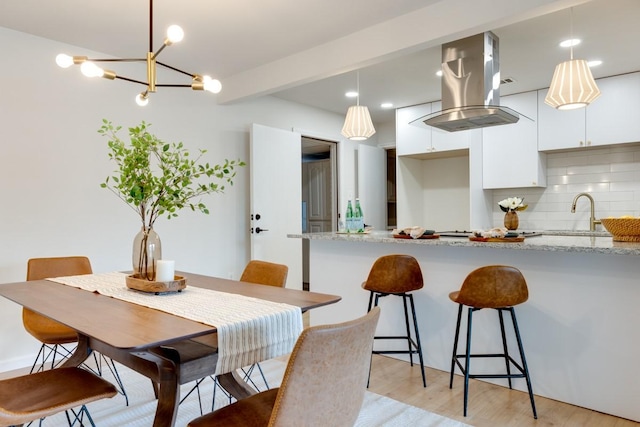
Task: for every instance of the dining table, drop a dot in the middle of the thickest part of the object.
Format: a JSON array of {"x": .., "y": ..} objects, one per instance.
[{"x": 167, "y": 348}]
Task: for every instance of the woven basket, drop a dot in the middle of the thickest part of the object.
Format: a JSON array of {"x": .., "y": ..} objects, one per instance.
[{"x": 623, "y": 229}]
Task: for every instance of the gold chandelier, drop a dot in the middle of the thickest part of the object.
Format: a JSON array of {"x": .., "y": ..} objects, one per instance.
[{"x": 174, "y": 35}]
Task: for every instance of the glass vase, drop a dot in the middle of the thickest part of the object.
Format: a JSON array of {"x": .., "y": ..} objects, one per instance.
[
  {"x": 146, "y": 251},
  {"x": 511, "y": 221}
]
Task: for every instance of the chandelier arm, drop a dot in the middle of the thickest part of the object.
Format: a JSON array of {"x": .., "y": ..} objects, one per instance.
[
  {"x": 117, "y": 60},
  {"x": 151, "y": 26},
  {"x": 172, "y": 85},
  {"x": 176, "y": 69},
  {"x": 132, "y": 80}
]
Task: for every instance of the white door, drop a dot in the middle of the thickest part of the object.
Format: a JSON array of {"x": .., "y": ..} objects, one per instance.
[{"x": 276, "y": 198}]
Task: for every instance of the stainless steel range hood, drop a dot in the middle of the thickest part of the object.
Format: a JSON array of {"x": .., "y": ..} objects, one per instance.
[{"x": 471, "y": 86}]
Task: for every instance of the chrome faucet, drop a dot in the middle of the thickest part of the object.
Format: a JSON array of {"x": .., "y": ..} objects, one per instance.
[{"x": 592, "y": 220}]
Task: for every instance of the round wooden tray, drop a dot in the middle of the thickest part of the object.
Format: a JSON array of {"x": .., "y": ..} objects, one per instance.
[{"x": 134, "y": 282}]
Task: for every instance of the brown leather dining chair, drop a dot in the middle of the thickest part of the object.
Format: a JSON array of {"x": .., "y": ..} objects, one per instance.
[
  {"x": 36, "y": 396},
  {"x": 54, "y": 335},
  {"x": 341, "y": 352},
  {"x": 261, "y": 273}
]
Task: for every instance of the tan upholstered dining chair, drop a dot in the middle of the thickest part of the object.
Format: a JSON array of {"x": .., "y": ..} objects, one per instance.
[
  {"x": 54, "y": 335},
  {"x": 341, "y": 352},
  {"x": 36, "y": 396}
]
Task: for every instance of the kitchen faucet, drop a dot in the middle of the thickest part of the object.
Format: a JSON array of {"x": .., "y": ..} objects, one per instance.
[{"x": 592, "y": 220}]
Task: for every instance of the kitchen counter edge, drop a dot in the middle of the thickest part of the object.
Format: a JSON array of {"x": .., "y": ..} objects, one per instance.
[{"x": 597, "y": 243}]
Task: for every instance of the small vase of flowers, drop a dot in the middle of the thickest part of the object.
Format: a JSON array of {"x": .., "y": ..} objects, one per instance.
[{"x": 511, "y": 206}]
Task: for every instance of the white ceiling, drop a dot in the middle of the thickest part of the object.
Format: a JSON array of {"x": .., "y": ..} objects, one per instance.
[{"x": 307, "y": 51}]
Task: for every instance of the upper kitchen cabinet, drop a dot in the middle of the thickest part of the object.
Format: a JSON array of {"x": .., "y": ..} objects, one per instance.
[
  {"x": 613, "y": 117},
  {"x": 424, "y": 141},
  {"x": 610, "y": 119},
  {"x": 510, "y": 156},
  {"x": 412, "y": 139}
]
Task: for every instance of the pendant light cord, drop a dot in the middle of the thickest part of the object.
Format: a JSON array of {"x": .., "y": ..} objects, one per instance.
[
  {"x": 571, "y": 30},
  {"x": 358, "y": 88}
]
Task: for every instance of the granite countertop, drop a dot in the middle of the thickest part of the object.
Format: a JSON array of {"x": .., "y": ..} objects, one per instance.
[{"x": 558, "y": 241}]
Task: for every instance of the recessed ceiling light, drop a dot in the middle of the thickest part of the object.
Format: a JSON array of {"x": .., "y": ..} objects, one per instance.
[
  {"x": 570, "y": 42},
  {"x": 594, "y": 63},
  {"x": 386, "y": 105},
  {"x": 351, "y": 94},
  {"x": 439, "y": 73}
]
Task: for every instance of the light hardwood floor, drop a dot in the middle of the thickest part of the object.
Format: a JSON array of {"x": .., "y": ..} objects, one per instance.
[{"x": 489, "y": 405}]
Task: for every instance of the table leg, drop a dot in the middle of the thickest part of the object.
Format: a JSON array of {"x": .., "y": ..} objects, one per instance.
[
  {"x": 233, "y": 383},
  {"x": 83, "y": 350},
  {"x": 168, "y": 390}
]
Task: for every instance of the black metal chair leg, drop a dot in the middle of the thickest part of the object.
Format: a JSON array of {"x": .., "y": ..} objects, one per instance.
[
  {"x": 524, "y": 361},
  {"x": 455, "y": 346},
  {"x": 406, "y": 325},
  {"x": 504, "y": 347},
  {"x": 467, "y": 359},
  {"x": 418, "y": 343}
]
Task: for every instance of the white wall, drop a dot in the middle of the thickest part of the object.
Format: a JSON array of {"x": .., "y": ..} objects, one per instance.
[
  {"x": 53, "y": 161},
  {"x": 610, "y": 174}
]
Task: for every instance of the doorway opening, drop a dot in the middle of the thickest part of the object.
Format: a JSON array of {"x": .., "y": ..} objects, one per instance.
[{"x": 319, "y": 193}]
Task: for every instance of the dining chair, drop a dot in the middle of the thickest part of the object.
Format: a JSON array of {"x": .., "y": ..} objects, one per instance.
[
  {"x": 341, "y": 352},
  {"x": 261, "y": 273},
  {"x": 36, "y": 396},
  {"x": 54, "y": 335}
]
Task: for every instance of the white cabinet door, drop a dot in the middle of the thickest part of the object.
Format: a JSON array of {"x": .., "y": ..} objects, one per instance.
[
  {"x": 442, "y": 140},
  {"x": 510, "y": 156},
  {"x": 559, "y": 129},
  {"x": 412, "y": 139},
  {"x": 614, "y": 117}
]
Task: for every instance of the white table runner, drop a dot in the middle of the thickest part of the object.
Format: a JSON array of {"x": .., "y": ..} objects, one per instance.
[{"x": 249, "y": 329}]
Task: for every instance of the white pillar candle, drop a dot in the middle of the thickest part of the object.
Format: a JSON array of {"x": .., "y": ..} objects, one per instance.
[{"x": 165, "y": 270}]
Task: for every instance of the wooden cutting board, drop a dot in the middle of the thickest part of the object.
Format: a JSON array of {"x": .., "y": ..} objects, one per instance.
[{"x": 424, "y": 236}]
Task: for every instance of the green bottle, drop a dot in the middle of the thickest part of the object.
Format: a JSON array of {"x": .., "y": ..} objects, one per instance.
[
  {"x": 349, "y": 223},
  {"x": 358, "y": 218}
]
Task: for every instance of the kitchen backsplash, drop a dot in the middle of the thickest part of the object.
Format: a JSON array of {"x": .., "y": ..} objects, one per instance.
[{"x": 610, "y": 174}]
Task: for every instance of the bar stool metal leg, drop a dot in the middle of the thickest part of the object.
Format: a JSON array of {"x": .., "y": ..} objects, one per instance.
[
  {"x": 418, "y": 343},
  {"x": 504, "y": 347},
  {"x": 524, "y": 361}
]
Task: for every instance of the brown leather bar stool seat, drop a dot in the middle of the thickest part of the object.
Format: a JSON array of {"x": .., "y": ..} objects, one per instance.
[
  {"x": 501, "y": 288},
  {"x": 397, "y": 275}
]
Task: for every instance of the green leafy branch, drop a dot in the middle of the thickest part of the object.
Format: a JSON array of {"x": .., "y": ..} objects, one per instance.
[{"x": 157, "y": 178}]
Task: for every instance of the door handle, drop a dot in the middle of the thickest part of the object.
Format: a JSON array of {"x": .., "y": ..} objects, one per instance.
[{"x": 260, "y": 230}]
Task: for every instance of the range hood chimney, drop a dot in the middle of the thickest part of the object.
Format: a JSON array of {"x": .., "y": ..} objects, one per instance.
[{"x": 471, "y": 86}]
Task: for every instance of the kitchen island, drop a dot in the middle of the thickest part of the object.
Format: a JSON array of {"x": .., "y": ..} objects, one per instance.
[{"x": 578, "y": 326}]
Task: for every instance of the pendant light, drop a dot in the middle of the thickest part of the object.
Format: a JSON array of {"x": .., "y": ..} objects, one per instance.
[
  {"x": 357, "y": 124},
  {"x": 572, "y": 85}
]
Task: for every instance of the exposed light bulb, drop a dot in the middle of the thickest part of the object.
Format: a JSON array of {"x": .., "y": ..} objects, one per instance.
[
  {"x": 211, "y": 85},
  {"x": 64, "y": 60},
  {"x": 90, "y": 69},
  {"x": 142, "y": 99},
  {"x": 175, "y": 34}
]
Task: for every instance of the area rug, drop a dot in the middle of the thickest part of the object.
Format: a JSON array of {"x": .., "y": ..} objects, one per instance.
[{"x": 376, "y": 411}]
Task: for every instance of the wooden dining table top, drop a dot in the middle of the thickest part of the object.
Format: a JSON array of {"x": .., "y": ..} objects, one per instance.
[{"x": 129, "y": 326}]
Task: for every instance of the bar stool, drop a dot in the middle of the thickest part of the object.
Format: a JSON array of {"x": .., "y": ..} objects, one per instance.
[
  {"x": 397, "y": 275},
  {"x": 499, "y": 287}
]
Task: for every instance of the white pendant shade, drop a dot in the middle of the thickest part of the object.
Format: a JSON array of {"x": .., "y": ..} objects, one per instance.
[
  {"x": 572, "y": 86},
  {"x": 358, "y": 125}
]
